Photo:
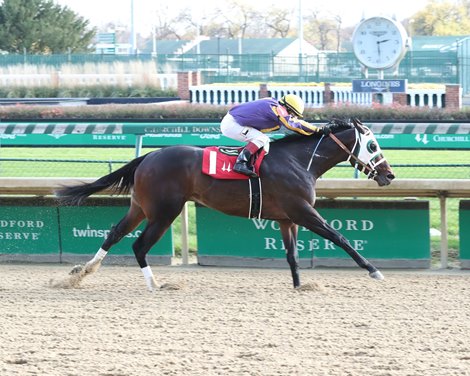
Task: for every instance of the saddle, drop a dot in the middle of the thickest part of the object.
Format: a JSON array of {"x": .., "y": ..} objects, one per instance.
[{"x": 218, "y": 161}]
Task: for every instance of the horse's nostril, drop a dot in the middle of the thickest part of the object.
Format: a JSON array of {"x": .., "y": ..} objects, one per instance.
[{"x": 391, "y": 176}]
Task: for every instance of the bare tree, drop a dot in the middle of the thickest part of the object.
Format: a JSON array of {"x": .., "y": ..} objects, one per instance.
[
  {"x": 339, "y": 23},
  {"x": 279, "y": 21},
  {"x": 242, "y": 19},
  {"x": 205, "y": 24},
  {"x": 237, "y": 18},
  {"x": 323, "y": 32},
  {"x": 166, "y": 27}
]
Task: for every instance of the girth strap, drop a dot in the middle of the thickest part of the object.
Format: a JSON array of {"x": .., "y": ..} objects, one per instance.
[{"x": 256, "y": 198}]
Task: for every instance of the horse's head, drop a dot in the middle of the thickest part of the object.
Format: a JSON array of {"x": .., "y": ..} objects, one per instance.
[{"x": 368, "y": 157}]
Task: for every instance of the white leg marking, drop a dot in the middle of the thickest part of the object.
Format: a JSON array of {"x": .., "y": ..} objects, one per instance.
[
  {"x": 100, "y": 255},
  {"x": 94, "y": 264},
  {"x": 149, "y": 278},
  {"x": 377, "y": 275}
]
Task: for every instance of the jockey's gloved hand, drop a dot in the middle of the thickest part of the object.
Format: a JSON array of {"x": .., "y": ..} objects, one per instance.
[
  {"x": 338, "y": 123},
  {"x": 333, "y": 125},
  {"x": 326, "y": 129}
]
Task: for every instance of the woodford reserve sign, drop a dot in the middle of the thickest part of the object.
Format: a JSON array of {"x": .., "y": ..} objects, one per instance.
[{"x": 390, "y": 233}]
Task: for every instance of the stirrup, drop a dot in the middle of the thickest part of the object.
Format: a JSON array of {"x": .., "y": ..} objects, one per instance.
[{"x": 242, "y": 168}]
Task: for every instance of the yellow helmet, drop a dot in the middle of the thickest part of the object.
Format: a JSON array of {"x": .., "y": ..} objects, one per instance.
[{"x": 294, "y": 104}]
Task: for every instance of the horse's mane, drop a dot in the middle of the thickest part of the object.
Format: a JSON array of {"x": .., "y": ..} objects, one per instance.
[{"x": 293, "y": 137}]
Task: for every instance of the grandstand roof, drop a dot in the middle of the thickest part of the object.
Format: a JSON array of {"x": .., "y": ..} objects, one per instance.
[{"x": 216, "y": 46}]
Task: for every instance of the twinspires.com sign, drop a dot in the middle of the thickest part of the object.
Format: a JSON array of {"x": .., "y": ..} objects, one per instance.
[
  {"x": 31, "y": 226},
  {"x": 394, "y": 233}
]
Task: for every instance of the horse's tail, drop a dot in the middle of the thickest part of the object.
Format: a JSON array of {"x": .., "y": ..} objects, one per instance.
[{"x": 120, "y": 182}]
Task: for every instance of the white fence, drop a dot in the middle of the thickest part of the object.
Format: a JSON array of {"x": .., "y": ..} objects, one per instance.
[
  {"x": 219, "y": 94},
  {"x": 312, "y": 95}
]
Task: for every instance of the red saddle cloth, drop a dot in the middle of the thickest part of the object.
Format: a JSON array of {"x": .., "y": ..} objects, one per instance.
[{"x": 218, "y": 161}]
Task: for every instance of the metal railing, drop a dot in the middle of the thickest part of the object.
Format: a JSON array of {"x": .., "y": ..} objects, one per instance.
[
  {"x": 429, "y": 67},
  {"x": 48, "y": 167}
]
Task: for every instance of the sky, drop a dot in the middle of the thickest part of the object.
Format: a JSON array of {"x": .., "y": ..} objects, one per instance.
[{"x": 100, "y": 12}]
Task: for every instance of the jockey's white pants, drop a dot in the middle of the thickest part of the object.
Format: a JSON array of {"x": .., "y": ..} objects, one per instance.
[{"x": 232, "y": 129}]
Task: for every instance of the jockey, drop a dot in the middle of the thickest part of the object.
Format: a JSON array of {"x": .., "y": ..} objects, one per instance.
[{"x": 248, "y": 122}]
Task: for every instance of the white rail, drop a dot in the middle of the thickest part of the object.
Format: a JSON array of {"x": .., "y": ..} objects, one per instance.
[
  {"x": 331, "y": 188},
  {"x": 313, "y": 95}
]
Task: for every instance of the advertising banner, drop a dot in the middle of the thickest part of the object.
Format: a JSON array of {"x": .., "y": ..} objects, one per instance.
[
  {"x": 395, "y": 233},
  {"x": 29, "y": 230},
  {"x": 390, "y": 135},
  {"x": 424, "y": 141},
  {"x": 33, "y": 226},
  {"x": 117, "y": 140},
  {"x": 84, "y": 228},
  {"x": 464, "y": 225},
  {"x": 379, "y": 86}
]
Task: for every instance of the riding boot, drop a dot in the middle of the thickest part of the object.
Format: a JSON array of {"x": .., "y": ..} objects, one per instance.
[{"x": 242, "y": 165}]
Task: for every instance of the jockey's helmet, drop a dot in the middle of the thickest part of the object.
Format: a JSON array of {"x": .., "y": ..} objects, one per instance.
[{"x": 294, "y": 104}]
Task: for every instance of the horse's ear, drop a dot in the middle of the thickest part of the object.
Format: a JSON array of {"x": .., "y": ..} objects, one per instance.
[{"x": 358, "y": 125}]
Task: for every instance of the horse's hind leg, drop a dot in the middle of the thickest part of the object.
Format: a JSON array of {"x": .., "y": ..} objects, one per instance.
[
  {"x": 130, "y": 221},
  {"x": 289, "y": 233},
  {"x": 157, "y": 224}
]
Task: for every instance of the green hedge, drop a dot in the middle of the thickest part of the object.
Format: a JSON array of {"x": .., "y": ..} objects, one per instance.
[{"x": 183, "y": 110}]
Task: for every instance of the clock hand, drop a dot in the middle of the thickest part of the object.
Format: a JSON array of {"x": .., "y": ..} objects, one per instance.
[{"x": 382, "y": 41}]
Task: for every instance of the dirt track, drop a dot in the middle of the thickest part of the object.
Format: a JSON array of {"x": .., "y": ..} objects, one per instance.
[{"x": 234, "y": 322}]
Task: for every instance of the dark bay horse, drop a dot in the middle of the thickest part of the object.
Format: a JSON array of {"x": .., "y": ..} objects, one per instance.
[{"x": 161, "y": 182}]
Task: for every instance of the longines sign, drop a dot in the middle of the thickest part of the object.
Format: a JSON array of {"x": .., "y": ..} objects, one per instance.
[{"x": 379, "y": 86}]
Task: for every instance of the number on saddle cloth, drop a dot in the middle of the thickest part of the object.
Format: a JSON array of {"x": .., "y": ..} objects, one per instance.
[{"x": 218, "y": 162}]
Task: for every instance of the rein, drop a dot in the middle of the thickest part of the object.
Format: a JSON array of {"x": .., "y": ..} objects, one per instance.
[
  {"x": 351, "y": 155},
  {"x": 314, "y": 152}
]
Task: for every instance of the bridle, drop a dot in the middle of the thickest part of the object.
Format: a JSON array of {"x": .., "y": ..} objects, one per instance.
[
  {"x": 364, "y": 166},
  {"x": 370, "y": 171}
]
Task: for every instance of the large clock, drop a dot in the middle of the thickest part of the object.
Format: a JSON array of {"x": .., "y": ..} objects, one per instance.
[{"x": 379, "y": 42}]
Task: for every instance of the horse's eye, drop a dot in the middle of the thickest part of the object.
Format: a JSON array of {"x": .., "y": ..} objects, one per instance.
[{"x": 372, "y": 147}]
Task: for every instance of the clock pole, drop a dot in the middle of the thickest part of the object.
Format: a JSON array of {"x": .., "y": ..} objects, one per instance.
[{"x": 379, "y": 44}]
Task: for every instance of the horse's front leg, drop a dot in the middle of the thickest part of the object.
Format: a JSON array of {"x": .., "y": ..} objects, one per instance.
[
  {"x": 91, "y": 266},
  {"x": 289, "y": 231},
  {"x": 312, "y": 220}
]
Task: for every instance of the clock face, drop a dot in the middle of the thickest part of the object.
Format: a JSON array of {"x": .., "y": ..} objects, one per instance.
[{"x": 379, "y": 42}]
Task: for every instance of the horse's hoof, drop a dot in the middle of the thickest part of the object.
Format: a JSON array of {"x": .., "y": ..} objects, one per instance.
[
  {"x": 377, "y": 275},
  {"x": 151, "y": 284},
  {"x": 76, "y": 269}
]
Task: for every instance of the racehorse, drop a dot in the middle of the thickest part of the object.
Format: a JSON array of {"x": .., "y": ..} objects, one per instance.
[{"x": 162, "y": 181}]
